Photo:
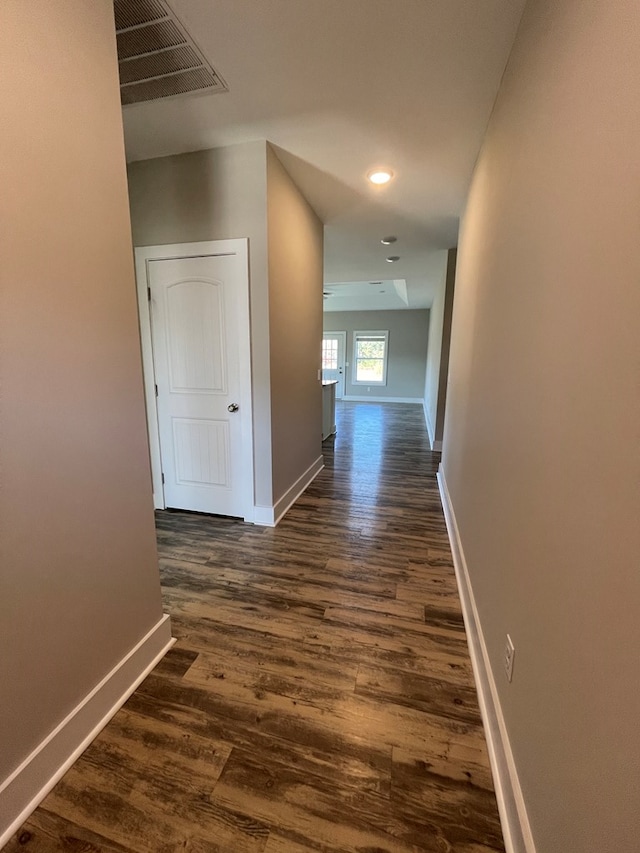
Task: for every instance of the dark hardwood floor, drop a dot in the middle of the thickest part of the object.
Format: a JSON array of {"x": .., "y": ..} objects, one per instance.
[{"x": 319, "y": 697}]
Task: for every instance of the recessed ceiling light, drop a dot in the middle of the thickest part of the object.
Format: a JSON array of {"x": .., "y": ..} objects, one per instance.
[
  {"x": 380, "y": 176},
  {"x": 387, "y": 241},
  {"x": 393, "y": 258}
]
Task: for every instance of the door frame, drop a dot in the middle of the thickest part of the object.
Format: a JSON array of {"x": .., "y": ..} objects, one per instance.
[{"x": 177, "y": 251}]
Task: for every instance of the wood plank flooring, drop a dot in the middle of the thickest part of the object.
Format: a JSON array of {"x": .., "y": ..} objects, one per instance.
[{"x": 319, "y": 697}]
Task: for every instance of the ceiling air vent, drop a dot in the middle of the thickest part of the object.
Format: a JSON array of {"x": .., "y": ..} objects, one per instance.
[{"x": 156, "y": 56}]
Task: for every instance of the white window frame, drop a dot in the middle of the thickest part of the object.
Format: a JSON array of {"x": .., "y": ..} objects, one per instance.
[{"x": 384, "y": 334}]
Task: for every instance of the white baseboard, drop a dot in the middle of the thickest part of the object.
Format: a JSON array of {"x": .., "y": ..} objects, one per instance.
[
  {"x": 270, "y": 516},
  {"x": 369, "y": 398},
  {"x": 511, "y": 804},
  {"x": 263, "y": 516},
  {"x": 427, "y": 420},
  {"x": 23, "y": 791},
  {"x": 435, "y": 445}
]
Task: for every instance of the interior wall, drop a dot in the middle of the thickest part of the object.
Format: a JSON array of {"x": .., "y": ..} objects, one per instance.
[
  {"x": 217, "y": 194},
  {"x": 434, "y": 348},
  {"x": 408, "y": 333},
  {"x": 542, "y": 433},
  {"x": 295, "y": 245},
  {"x": 445, "y": 345},
  {"x": 79, "y": 577}
]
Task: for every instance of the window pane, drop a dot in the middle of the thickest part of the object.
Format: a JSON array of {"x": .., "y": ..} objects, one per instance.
[
  {"x": 370, "y": 357},
  {"x": 370, "y": 349},
  {"x": 330, "y": 354},
  {"x": 370, "y": 370}
]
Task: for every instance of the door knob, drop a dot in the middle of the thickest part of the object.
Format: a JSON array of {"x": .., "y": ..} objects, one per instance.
[{"x": 233, "y": 407}]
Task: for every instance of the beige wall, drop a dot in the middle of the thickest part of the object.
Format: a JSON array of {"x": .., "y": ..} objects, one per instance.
[
  {"x": 408, "y": 332},
  {"x": 542, "y": 435},
  {"x": 217, "y": 194},
  {"x": 78, "y": 579},
  {"x": 295, "y": 240},
  {"x": 243, "y": 191}
]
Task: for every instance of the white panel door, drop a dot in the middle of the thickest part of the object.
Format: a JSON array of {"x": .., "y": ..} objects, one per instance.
[
  {"x": 194, "y": 325},
  {"x": 334, "y": 345}
]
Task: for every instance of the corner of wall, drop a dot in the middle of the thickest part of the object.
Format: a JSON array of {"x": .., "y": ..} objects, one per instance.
[
  {"x": 28, "y": 785},
  {"x": 295, "y": 264}
]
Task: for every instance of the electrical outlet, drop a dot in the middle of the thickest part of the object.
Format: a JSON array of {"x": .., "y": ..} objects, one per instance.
[{"x": 509, "y": 654}]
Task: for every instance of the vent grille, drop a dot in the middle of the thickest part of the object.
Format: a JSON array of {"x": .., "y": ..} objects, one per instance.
[
  {"x": 177, "y": 84},
  {"x": 130, "y": 14},
  {"x": 157, "y": 58},
  {"x": 151, "y": 39},
  {"x": 155, "y": 65}
]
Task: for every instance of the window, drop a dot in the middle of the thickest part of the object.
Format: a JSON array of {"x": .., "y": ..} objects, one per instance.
[
  {"x": 370, "y": 358},
  {"x": 329, "y": 354}
]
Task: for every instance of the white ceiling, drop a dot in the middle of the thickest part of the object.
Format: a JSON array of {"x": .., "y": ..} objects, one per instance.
[
  {"x": 387, "y": 295},
  {"x": 342, "y": 86}
]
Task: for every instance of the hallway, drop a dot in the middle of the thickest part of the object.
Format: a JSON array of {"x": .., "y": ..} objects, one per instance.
[{"x": 320, "y": 695}]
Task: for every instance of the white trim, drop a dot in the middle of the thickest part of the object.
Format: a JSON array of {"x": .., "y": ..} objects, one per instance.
[
  {"x": 369, "y": 398},
  {"x": 511, "y": 805},
  {"x": 427, "y": 420},
  {"x": 144, "y": 254},
  {"x": 271, "y": 516},
  {"x": 435, "y": 445},
  {"x": 23, "y": 791},
  {"x": 264, "y": 516}
]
